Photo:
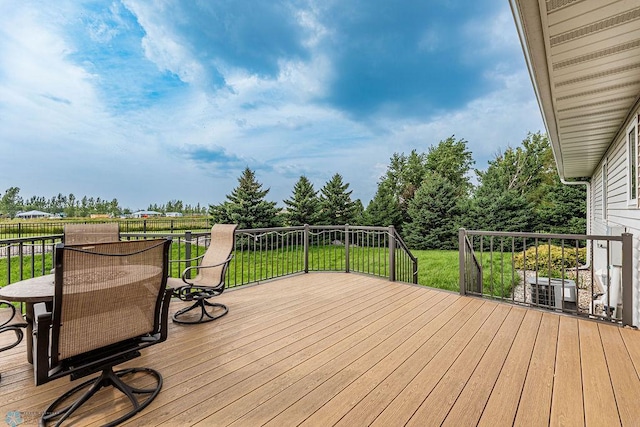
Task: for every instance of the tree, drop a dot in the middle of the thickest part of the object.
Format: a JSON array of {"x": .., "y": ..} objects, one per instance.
[
  {"x": 404, "y": 175},
  {"x": 304, "y": 205},
  {"x": 502, "y": 199},
  {"x": 383, "y": 210},
  {"x": 452, "y": 160},
  {"x": 335, "y": 202},
  {"x": 563, "y": 209},
  {"x": 358, "y": 212},
  {"x": 521, "y": 191},
  {"x": 246, "y": 205},
  {"x": 11, "y": 202},
  {"x": 70, "y": 206},
  {"x": 435, "y": 213}
]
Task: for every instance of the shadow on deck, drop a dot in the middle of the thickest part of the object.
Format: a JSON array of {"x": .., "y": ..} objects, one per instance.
[{"x": 347, "y": 349}]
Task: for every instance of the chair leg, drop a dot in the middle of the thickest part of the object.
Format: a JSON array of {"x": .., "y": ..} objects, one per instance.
[
  {"x": 107, "y": 378},
  {"x": 205, "y": 315}
]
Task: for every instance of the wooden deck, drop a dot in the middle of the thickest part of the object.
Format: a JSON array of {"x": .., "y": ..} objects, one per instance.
[{"x": 345, "y": 349}]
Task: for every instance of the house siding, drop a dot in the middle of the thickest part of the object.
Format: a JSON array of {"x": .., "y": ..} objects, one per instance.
[{"x": 619, "y": 212}]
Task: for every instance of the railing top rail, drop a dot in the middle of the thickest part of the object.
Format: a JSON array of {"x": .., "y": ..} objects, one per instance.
[
  {"x": 543, "y": 235},
  {"x": 269, "y": 230},
  {"x": 404, "y": 246},
  {"x": 29, "y": 239}
]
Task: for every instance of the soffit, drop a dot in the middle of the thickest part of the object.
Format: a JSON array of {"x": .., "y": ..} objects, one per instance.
[{"x": 584, "y": 60}]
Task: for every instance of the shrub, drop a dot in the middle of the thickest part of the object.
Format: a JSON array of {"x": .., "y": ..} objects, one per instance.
[{"x": 550, "y": 259}]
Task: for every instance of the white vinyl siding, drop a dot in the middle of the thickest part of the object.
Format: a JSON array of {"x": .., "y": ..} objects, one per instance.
[{"x": 621, "y": 211}]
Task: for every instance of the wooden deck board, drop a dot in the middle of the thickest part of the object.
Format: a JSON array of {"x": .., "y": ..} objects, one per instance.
[
  {"x": 345, "y": 349},
  {"x": 624, "y": 378},
  {"x": 599, "y": 402},
  {"x": 468, "y": 407},
  {"x": 535, "y": 402},
  {"x": 567, "y": 407}
]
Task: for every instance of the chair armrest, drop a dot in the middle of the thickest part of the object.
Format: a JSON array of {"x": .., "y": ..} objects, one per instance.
[
  {"x": 197, "y": 267},
  {"x": 187, "y": 260},
  {"x": 10, "y": 317},
  {"x": 41, "y": 333},
  {"x": 164, "y": 313}
]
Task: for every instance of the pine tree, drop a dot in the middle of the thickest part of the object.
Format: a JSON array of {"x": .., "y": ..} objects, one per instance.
[
  {"x": 435, "y": 214},
  {"x": 383, "y": 210},
  {"x": 246, "y": 205},
  {"x": 335, "y": 202},
  {"x": 304, "y": 205}
]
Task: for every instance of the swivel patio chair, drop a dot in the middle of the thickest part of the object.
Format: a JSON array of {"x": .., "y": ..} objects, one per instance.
[
  {"x": 209, "y": 282},
  {"x": 11, "y": 320},
  {"x": 82, "y": 234},
  {"x": 110, "y": 302}
]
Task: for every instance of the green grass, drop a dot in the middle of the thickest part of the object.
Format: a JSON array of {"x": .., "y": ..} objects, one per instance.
[{"x": 439, "y": 269}]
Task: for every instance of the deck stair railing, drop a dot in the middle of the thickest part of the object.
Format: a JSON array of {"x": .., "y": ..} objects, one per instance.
[
  {"x": 260, "y": 254},
  {"x": 584, "y": 275}
]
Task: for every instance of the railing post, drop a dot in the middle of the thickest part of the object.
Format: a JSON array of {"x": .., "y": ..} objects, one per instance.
[
  {"x": 346, "y": 248},
  {"x": 306, "y": 248},
  {"x": 392, "y": 254},
  {"x": 461, "y": 259},
  {"x": 187, "y": 251},
  {"x": 627, "y": 279}
]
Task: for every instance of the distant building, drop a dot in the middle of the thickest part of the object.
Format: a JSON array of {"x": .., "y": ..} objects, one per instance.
[
  {"x": 173, "y": 214},
  {"x": 93, "y": 216},
  {"x": 33, "y": 215},
  {"x": 145, "y": 214}
]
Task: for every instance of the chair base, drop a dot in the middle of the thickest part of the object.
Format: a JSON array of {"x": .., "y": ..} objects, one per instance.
[
  {"x": 107, "y": 378},
  {"x": 205, "y": 316}
]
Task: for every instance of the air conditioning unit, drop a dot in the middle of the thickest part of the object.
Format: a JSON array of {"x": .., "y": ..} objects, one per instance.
[{"x": 547, "y": 292}]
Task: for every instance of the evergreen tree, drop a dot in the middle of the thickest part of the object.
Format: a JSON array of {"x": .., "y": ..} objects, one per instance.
[
  {"x": 358, "y": 213},
  {"x": 383, "y": 210},
  {"x": 335, "y": 202},
  {"x": 563, "y": 209},
  {"x": 304, "y": 205},
  {"x": 502, "y": 211},
  {"x": 435, "y": 213},
  {"x": 246, "y": 205}
]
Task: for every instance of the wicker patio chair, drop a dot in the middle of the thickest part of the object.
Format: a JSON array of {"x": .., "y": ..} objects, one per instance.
[
  {"x": 11, "y": 321},
  {"x": 82, "y": 234},
  {"x": 209, "y": 282},
  {"x": 110, "y": 302}
]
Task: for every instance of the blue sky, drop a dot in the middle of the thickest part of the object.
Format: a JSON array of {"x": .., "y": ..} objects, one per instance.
[{"x": 151, "y": 101}]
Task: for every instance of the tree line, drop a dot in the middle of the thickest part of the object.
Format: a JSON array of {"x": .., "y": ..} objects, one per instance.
[
  {"x": 11, "y": 203},
  {"x": 428, "y": 196}
]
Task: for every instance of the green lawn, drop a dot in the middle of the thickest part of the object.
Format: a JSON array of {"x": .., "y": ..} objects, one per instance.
[{"x": 439, "y": 269}]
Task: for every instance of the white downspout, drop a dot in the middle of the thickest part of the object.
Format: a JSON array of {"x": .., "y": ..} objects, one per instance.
[{"x": 588, "y": 185}]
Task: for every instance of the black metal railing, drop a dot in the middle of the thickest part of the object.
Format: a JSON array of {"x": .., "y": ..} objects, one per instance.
[
  {"x": 30, "y": 228},
  {"x": 585, "y": 275},
  {"x": 259, "y": 255}
]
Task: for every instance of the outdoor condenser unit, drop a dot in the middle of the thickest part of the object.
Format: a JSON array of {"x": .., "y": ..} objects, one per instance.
[{"x": 547, "y": 292}]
